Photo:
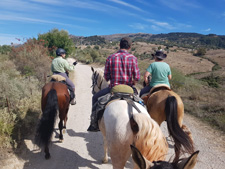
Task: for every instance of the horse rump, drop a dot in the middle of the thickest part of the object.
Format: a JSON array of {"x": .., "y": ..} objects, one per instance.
[{"x": 47, "y": 121}]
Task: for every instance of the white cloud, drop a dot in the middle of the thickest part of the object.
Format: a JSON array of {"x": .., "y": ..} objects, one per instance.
[
  {"x": 207, "y": 30},
  {"x": 138, "y": 26},
  {"x": 127, "y": 5},
  {"x": 34, "y": 20},
  {"x": 180, "y": 5},
  {"x": 161, "y": 24}
]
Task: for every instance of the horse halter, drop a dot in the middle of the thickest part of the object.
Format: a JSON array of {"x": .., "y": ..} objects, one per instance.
[{"x": 95, "y": 82}]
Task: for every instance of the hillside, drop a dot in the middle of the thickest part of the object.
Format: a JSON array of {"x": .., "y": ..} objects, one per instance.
[{"x": 187, "y": 40}]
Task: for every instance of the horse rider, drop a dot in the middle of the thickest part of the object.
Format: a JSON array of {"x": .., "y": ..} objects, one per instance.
[
  {"x": 159, "y": 71},
  {"x": 120, "y": 68},
  {"x": 60, "y": 66}
]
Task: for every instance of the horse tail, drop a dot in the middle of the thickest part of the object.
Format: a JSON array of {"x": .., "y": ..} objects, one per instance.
[
  {"x": 46, "y": 124},
  {"x": 179, "y": 136}
]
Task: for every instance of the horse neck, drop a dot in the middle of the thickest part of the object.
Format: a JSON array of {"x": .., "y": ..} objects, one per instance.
[
  {"x": 150, "y": 140},
  {"x": 105, "y": 84}
]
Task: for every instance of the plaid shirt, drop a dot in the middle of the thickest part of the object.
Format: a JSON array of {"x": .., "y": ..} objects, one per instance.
[{"x": 121, "y": 68}]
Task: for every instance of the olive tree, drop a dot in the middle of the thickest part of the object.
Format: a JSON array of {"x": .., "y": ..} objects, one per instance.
[{"x": 57, "y": 39}]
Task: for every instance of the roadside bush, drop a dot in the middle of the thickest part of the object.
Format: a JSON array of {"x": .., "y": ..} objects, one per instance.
[
  {"x": 18, "y": 95},
  {"x": 32, "y": 59}
]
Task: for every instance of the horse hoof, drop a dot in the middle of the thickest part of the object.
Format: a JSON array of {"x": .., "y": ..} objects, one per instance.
[
  {"x": 64, "y": 131},
  {"x": 47, "y": 156},
  {"x": 104, "y": 161},
  {"x": 60, "y": 140}
]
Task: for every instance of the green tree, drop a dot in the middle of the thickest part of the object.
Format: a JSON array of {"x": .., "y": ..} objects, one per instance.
[
  {"x": 200, "y": 52},
  {"x": 57, "y": 39}
]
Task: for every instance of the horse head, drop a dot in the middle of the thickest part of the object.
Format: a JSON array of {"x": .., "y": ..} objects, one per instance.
[
  {"x": 143, "y": 163},
  {"x": 98, "y": 80}
]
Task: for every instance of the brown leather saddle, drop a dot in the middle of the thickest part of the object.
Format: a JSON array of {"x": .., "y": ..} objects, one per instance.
[{"x": 153, "y": 90}]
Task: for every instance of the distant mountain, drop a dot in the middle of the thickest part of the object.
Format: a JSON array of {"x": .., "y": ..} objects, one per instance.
[{"x": 188, "y": 40}]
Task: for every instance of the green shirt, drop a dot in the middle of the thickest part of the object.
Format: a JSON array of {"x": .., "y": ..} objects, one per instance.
[
  {"x": 159, "y": 72},
  {"x": 61, "y": 65}
]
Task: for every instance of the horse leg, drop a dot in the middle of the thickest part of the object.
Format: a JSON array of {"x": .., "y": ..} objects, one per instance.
[
  {"x": 60, "y": 131},
  {"x": 188, "y": 132},
  {"x": 64, "y": 126},
  {"x": 47, "y": 154},
  {"x": 102, "y": 128}
]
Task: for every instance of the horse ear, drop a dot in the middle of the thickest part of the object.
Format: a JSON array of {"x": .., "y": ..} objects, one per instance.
[
  {"x": 139, "y": 159},
  {"x": 92, "y": 69},
  {"x": 188, "y": 163}
]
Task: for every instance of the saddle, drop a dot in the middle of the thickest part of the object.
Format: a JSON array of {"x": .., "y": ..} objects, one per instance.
[
  {"x": 61, "y": 79},
  {"x": 153, "y": 90},
  {"x": 118, "y": 92}
]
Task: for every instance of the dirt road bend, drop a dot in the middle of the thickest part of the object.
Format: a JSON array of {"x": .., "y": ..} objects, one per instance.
[{"x": 84, "y": 150}]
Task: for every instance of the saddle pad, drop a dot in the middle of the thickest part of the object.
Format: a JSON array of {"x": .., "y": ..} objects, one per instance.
[
  {"x": 122, "y": 89},
  {"x": 157, "y": 86},
  {"x": 153, "y": 88},
  {"x": 58, "y": 78}
]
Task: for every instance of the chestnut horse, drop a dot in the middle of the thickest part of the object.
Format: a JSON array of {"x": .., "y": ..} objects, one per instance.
[
  {"x": 55, "y": 100},
  {"x": 143, "y": 163},
  {"x": 163, "y": 104}
]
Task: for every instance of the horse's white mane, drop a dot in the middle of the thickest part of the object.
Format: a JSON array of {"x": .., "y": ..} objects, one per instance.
[
  {"x": 101, "y": 80},
  {"x": 150, "y": 140}
]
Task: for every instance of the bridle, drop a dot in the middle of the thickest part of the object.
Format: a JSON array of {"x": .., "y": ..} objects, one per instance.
[{"x": 95, "y": 82}]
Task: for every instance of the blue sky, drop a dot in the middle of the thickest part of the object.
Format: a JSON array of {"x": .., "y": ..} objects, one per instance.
[{"x": 24, "y": 19}]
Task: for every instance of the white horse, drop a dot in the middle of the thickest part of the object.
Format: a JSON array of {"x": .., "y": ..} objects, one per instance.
[
  {"x": 121, "y": 128},
  {"x": 98, "y": 80}
]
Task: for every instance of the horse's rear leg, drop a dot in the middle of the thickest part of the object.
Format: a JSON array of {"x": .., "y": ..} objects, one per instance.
[
  {"x": 102, "y": 129},
  {"x": 188, "y": 132},
  {"x": 47, "y": 154},
  {"x": 60, "y": 130},
  {"x": 64, "y": 126}
]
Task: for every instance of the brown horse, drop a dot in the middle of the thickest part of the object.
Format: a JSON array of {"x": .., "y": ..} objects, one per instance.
[
  {"x": 55, "y": 99},
  {"x": 163, "y": 104}
]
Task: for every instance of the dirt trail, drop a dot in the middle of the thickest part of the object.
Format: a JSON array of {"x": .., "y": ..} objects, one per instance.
[{"x": 82, "y": 149}]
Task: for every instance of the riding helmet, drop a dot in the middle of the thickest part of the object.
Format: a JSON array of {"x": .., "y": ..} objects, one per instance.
[{"x": 60, "y": 51}]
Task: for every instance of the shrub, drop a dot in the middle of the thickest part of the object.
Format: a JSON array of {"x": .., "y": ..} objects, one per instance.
[
  {"x": 32, "y": 59},
  {"x": 18, "y": 95},
  {"x": 57, "y": 39}
]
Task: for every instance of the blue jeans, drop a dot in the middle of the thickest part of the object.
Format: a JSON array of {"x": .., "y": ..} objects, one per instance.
[{"x": 146, "y": 89}]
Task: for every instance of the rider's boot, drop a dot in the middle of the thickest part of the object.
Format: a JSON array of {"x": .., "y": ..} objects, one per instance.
[
  {"x": 94, "y": 122},
  {"x": 73, "y": 101}
]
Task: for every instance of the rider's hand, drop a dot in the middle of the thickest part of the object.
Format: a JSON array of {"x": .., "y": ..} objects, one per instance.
[{"x": 74, "y": 63}]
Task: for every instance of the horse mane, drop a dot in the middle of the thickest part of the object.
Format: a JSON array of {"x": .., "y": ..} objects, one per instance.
[
  {"x": 101, "y": 80},
  {"x": 150, "y": 139}
]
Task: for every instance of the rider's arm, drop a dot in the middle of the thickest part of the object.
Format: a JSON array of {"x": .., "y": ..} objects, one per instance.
[
  {"x": 67, "y": 66},
  {"x": 136, "y": 71},
  {"x": 146, "y": 75},
  {"x": 170, "y": 77},
  {"x": 107, "y": 70}
]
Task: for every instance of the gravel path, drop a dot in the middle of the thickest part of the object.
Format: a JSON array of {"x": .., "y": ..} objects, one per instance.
[{"x": 82, "y": 149}]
